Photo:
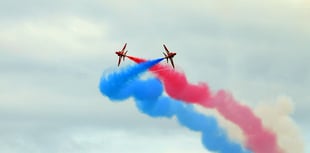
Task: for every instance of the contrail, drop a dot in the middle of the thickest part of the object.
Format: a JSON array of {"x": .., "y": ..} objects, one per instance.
[
  {"x": 258, "y": 138},
  {"x": 150, "y": 100}
]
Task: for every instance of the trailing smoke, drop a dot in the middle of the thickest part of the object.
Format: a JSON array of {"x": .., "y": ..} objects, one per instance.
[
  {"x": 258, "y": 138},
  {"x": 149, "y": 99}
]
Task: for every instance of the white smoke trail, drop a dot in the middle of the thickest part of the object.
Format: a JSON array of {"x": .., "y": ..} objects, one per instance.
[
  {"x": 276, "y": 116},
  {"x": 233, "y": 131}
]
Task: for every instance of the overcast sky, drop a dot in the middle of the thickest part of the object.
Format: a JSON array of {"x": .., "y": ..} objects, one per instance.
[{"x": 52, "y": 54}]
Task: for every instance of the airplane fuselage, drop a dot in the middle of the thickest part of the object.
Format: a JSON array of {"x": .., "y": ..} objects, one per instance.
[
  {"x": 119, "y": 53},
  {"x": 171, "y": 55}
]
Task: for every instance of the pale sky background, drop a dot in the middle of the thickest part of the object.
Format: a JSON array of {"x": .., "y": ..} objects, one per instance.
[{"x": 52, "y": 54}]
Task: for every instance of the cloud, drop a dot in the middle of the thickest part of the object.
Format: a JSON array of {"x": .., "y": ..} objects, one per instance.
[
  {"x": 95, "y": 140},
  {"x": 54, "y": 36},
  {"x": 53, "y": 53}
]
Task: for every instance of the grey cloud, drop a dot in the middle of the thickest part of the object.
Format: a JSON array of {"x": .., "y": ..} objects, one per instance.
[
  {"x": 97, "y": 140},
  {"x": 253, "y": 49}
]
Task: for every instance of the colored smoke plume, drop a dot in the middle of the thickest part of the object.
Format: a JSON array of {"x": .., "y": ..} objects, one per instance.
[
  {"x": 149, "y": 99},
  {"x": 258, "y": 138},
  {"x": 277, "y": 116}
]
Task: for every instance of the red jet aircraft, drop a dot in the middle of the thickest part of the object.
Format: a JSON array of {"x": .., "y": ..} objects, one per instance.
[
  {"x": 121, "y": 54},
  {"x": 169, "y": 55}
]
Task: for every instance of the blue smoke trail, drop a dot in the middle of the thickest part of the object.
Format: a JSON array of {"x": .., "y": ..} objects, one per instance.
[
  {"x": 114, "y": 83},
  {"x": 149, "y": 99}
]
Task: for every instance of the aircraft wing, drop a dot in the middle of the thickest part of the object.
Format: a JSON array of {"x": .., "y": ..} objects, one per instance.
[
  {"x": 124, "y": 47},
  {"x": 166, "y": 48},
  {"x": 166, "y": 56},
  {"x": 171, "y": 60},
  {"x": 119, "y": 60},
  {"x": 124, "y": 55}
]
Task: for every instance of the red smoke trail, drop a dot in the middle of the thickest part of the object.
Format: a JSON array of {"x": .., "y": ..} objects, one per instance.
[
  {"x": 258, "y": 139},
  {"x": 174, "y": 81}
]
